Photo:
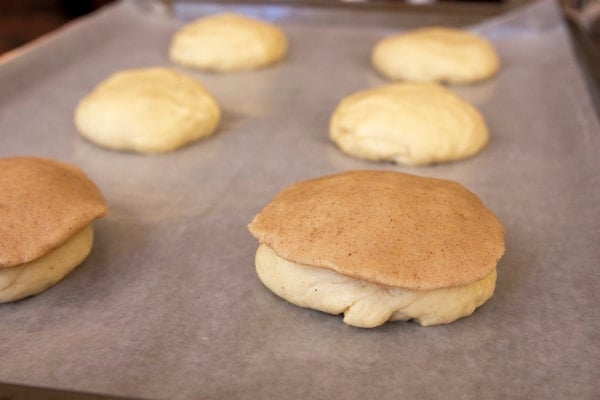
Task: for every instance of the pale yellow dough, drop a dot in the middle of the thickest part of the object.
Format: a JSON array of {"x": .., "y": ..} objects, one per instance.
[
  {"x": 36, "y": 276},
  {"x": 150, "y": 110},
  {"x": 436, "y": 55},
  {"x": 228, "y": 42},
  {"x": 365, "y": 304},
  {"x": 408, "y": 123}
]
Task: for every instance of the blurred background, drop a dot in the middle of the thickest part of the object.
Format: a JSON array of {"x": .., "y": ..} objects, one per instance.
[{"x": 24, "y": 20}]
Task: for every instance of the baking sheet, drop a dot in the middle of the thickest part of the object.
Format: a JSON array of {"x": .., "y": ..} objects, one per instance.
[{"x": 168, "y": 304}]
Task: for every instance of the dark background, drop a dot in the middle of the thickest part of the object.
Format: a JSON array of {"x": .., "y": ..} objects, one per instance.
[{"x": 24, "y": 20}]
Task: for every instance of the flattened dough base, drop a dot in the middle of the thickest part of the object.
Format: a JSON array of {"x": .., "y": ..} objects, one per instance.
[
  {"x": 36, "y": 276},
  {"x": 365, "y": 304}
]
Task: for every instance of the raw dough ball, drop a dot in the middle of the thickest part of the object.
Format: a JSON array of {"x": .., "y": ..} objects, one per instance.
[
  {"x": 151, "y": 110},
  {"x": 47, "y": 210},
  {"x": 228, "y": 42},
  {"x": 436, "y": 54},
  {"x": 379, "y": 246},
  {"x": 409, "y": 123}
]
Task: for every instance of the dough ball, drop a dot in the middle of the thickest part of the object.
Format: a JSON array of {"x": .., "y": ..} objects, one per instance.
[
  {"x": 379, "y": 246},
  {"x": 436, "y": 54},
  {"x": 46, "y": 223},
  {"x": 152, "y": 110},
  {"x": 228, "y": 42},
  {"x": 408, "y": 123}
]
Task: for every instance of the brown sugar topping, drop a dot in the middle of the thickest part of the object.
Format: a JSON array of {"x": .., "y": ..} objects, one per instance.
[
  {"x": 384, "y": 227},
  {"x": 42, "y": 204}
]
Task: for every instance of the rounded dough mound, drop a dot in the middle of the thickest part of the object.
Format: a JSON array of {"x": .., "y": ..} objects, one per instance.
[
  {"x": 151, "y": 110},
  {"x": 46, "y": 212},
  {"x": 436, "y": 54},
  {"x": 364, "y": 304},
  {"x": 228, "y": 42},
  {"x": 36, "y": 276},
  {"x": 408, "y": 123}
]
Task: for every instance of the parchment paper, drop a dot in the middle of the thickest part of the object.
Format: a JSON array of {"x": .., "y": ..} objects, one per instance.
[{"x": 168, "y": 304}]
